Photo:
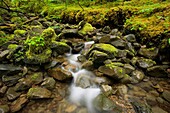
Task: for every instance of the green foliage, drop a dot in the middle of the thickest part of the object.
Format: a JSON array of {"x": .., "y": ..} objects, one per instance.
[
  {"x": 169, "y": 41},
  {"x": 135, "y": 25},
  {"x": 37, "y": 41}
]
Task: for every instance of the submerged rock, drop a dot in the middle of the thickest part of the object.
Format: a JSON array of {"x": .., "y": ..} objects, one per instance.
[{"x": 38, "y": 93}]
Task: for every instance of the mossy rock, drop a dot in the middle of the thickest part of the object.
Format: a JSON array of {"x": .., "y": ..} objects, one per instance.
[
  {"x": 49, "y": 34},
  {"x": 85, "y": 29},
  {"x": 20, "y": 32},
  {"x": 60, "y": 47},
  {"x": 12, "y": 46},
  {"x": 32, "y": 58}
]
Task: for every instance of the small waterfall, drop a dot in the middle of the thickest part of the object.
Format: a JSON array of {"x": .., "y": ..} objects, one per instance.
[{"x": 78, "y": 95}]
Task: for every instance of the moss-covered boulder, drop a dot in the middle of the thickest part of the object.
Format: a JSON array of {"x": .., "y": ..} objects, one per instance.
[
  {"x": 110, "y": 50},
  {"x": 19, "y": 32},
  {"x": 49, "y": 34},
  {"x": 145, "y": 63},
  {"x": 60, "y": 47},
  {"x": 85, "y": 29}
]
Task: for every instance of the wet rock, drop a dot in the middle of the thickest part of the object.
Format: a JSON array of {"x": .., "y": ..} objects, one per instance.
[
  {"x": 119, "y": 43},
  {"x": 149, "y": 52},
  {"x": 106, "y": 29},
  {"x": 3, "y": 54},
  {"x": 128, "y": 68},
  {"x": 158, "y": 71},
  {"x": 11, "y": 80},
  {"x": 77, "y": 47},
  {"x": 104, "y": 39},
  {"x": 145, "y": 63},
  {"x": 166, "y": 95},
  {"x": 86, "y": 28},
  {"x": 4, "y": 109},
  {"x": 51, "y": 64},
  {"x": 8, "y": 69},
  {"x": 38, "y": 93},
  {"x": 60, "y": 74},
  {"x": 19, "y": 103},
  {"x": 3, "y": 90},
  {"x": 106, "y": 89},
  {"x": 112, "y": 71},
  {"x": 23, "y": 84},
  {"x": 121, "y": 53},
  {"x": 36, "y": 78},
  {"x": 137, "y": 75},
  {"x": 110, "y": 50},
  {"x": 12, "y": 94},
  {"x": 157, "y": 109},
  {"x": 130, "y": 38},
  {"x": 49, "y": 83},
  {"x": 88, "y": 65},
  {"x": 60, "y": 47},
  {"x": 103, "y": 80},
  {"x": 105, "y": 105}
]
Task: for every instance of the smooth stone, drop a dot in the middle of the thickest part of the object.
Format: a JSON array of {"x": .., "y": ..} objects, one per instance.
[
  {"x": 122, "y": 90},
  {"x": 106, "y": 89},
  {"x": 149, "y": 52},
  {"x": 166, "y": 95},
  {"x": 38, "y": 93},
  {"x": 119, "y": 43},
  {"x": 130, "y": 38},
  {"x": 19, "y": 103},
  {"x": 60, "y": 47},
  {"x": 121, "y": 53},
  {"x": 4, "y": 109},
  {"x": 87, "y": 65},
  {"x": 126, "y": 79},
  {"x": 60, "y": 74},
  {"x": 48, "y": 83},
  {"x": 51, "y": 64},
  {"x": 12, "y": 94}
]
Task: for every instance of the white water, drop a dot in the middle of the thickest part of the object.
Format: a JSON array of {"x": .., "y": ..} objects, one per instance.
[{"x": 78, "y": 95}]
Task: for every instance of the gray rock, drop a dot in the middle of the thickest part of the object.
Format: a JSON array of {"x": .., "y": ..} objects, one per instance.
[
  {"x": 106, "y": 29},
  {"x": 60, "y": 74},
  {"x": 149, "y": 52},
  {"x": 51, "y": 64},
  {"x": 138, "y": 75},
  {"x": 105, "y": 105},
  {"x": 3, "y": 54},
  {"x": 19, "y": 103},
  {"x": 158, "y": 71},
  {"x": 145, "y": 63},
  {"x": 48, "y": 83},
  {"x": 38, "y": 93},
  {"x": 130, "y": 38},
  {"x": 11, "y": 80},
  {"x": 130, "y": 47},
  {"x": 12, "y": 94},
  {"x": 126, "y": 79},
  {"x": 60, "y": 47},
  {"x": 6, "y": 69},
  {"x": 166, "y": 95},
  {"x": 119, "y": 43},
  {"x": 128, "y": 68},
  {"x": 4, "y": 109}
]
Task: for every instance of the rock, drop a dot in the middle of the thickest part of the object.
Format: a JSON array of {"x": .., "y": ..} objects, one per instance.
[
  {"x": 130, "y": 38},
  {"x": 47, "y": 24},
  {"x": 3, "y": 54},
  {"x": 158, "y": 71},
  {"x": 121, "y": 53},
  {"x": 19, "y": 103},
  {"x": 118, "y": 42},
  {"x": 103, "y": 104},
  {"x": 106, "y": 89},
  {"x": 103, "y": 81},
  {"x": 3, "y": 90},
  {"x": 38, "y": 93},
  {"x": 145, "y": 63},
  {"x": 138, "y": 75},
  {"x": 60, "y": 74},
  {"x": 106, "y": 29},
  {"x": 149, "y": 52},
  {"x": 157, "y": 109},
  {"x": 126, "y": 79},
  {"x": 4, "y": 109},
  {"x": 77, "y": 47},
  {"x": 35, "y": 29},
  {"x": 20, "y": 32},
  {"x": 114, "y": 32},
  {"x": 12, "y": 94},
  {"x": 151, "y": 100},
  {"x": 134, "y": 60},
  {"x": 60, "y": 47},
  {"x": 122, "y": 90},
  {"x": 136, "y": 45},
  {"x": 51, "y": 64},
  {"x": 23, "y": 84},
  {"x": 9, "y": 69},
  {"x": 128, "y": 68},
  {"x": 48, "y": 83},
  {"x": 36, "y": 78},
  {"x": 11, "y": 80},
  {"x": 69, "y": 32},
  {"x": 87, "y": 65},
  {"x": 166, "y": 95},
  {"x": 110, "y": 50},
  {"x": 130, "y": 47},
  {"x": 105, "y": 39},
  {"x": 112, "y": 71},
  {"x": 85, "y": 29}
]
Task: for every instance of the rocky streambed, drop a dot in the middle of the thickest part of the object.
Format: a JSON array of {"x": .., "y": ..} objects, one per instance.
[{"x": 51, "y": 68}]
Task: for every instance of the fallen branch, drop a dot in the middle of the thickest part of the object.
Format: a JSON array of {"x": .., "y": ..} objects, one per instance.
[{"x": 34, "y": 18}]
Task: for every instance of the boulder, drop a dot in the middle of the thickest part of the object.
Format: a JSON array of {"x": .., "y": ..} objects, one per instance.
[
  {"x": 38, "y": 93},
  {"x": 87, "y": 65},
  {"x": 60, "y": 74},
  {"x": 23, "y": 85},
  {"x": 158, "y": 71},
  {"x": 9, "y": 69},
  {"x": 60, "y": 47},
  {"x": 48, "y": 83},
  {"x": 137, "y": 75},
  {"x": 128, "y": 68},
  {"x": 105, "y": 39},
  {"x": 149, "y": 52},
  {"x": 36, "y": 77},
  {"x": 145, "y": 63},
  {"x": 130, "y": 38},
  {"x": 87, "y": 27},
  {"x": 118, "y": 42}
]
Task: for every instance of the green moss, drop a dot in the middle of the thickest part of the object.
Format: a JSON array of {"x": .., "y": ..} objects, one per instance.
[
  {"x": 12, "y": 46},
  {"x": 49, "y": 34},
  {"x": 111, "y": 66},
  {"x": 20, "y": 32},
  {"x": 86, "y": 28},
  {"x": 30, "y": 91}
]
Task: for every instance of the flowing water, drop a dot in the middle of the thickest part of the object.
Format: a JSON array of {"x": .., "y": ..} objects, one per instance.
[{"x": 78, "y": 95}]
